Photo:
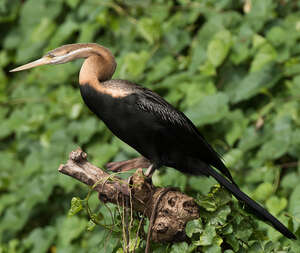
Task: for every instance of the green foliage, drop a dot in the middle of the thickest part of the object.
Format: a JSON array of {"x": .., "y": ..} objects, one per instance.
[
  {"x": 222, "y": 222},
  {"x": 232, "y": 66}
]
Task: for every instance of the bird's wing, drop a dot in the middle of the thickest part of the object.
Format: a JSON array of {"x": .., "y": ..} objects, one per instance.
[
  {"x": 177, "y": 122},
  {"x": 170, "y": 116}
]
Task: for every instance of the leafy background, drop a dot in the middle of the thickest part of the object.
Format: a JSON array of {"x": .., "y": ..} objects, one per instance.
[{"x": 232, "y": 66}]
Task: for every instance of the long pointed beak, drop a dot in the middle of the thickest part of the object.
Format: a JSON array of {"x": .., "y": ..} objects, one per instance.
[{"x": 39, "y": 62}]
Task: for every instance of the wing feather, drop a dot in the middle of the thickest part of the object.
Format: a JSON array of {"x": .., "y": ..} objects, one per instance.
[
  {"x": 169, "y": 115},
  {"x": 177, "y": 121}
]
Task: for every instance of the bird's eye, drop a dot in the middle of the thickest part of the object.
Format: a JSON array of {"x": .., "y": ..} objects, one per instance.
[{"x": 50, "y": 55}]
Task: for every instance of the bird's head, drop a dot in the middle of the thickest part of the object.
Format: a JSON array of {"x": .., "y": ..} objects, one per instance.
[{"x": 64, "y": 54}]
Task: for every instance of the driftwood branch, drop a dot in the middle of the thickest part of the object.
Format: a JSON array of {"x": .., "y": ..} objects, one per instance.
[{"x": 168, "y": 209}]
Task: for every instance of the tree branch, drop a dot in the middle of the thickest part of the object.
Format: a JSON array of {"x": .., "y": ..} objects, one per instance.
[{"x": 168, "y": 209}]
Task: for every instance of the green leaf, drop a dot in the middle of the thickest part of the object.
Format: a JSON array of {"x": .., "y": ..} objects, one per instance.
[
  {"x": 294, "y": 207},
  {"x": 290, "y": 180},
  {"x": 87, "y": 129},
  {"x": 237, "y": 127},
  {"x": 215, "y": 248},
  {"x": 217, "y": 197},
  {"x": 40, "y": 239},
  {"x": 233, "y": 242},
  {"x": 244, "y": 230},
  {"x": 43, "y": 31},
  {"x": 233, "y": 157},
  {"x": 179, "y": 247},
  {"x": 162, "y": 69},
  {"x": 219, "y": 217},
  {"x": 220, "y": 195},
  {"x": 208, "y": 69},
  {"x": 72, "y": 3},
  {"x": 9, "y": 10},
  {"x": 135, "y": 64},
  {"x": 62, "y": 33},
  {"x": 102, "y": 154},
  {"x": 256, "y": 82},
  {"x": 240, "y": 51},
  {"x": 261, "y": 12},
  {"x": 251, "y": 139},
  {"x": 76, "y": 206},
  {"x": 263, "y": 191},
  {"x": 193, "y": 226},
  {"x": 70, "y": 229},
  {"x": 170, "y": 177},
  {"x": 280, "y": 141},
  {"x": 219, "y": 47},
  {"x": 207, "y": 203},
  {"x": 201, "y": 184},
  {"x": 276, "y": 35},
  {"x": 91, "y": 226},
  {"x": 207, "y": 237},
  {"x": 256, "y": 248},
  {"x": 258, "y": 41},
  {"x": 4, "y": 60},
  {"x": 265, "y": 55},
  {"x": 149, "y": 29},
  {"x": 276, "y": 205},
  {"x": 209, "y": 110},
  {"x": 75, "y": 111}
]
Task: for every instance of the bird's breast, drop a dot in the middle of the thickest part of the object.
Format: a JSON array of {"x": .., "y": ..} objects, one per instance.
[
  {"x": 123, "y": 118},
  {"x": 118, "y": 113}
]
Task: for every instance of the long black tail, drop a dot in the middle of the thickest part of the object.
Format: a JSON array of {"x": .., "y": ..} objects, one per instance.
[{"x": 261, "y": 212}]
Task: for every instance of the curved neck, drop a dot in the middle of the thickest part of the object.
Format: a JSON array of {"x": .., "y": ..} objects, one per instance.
[{"x": 99, "y": 64}]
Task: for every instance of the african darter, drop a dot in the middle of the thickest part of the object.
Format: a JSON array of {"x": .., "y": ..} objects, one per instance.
[{"x": 146, "y": 122}]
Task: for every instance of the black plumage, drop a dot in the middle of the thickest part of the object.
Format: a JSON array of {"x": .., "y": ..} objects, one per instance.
[
  {"x": 165, "y": 136},
  {"x": 157, "y": 130}
]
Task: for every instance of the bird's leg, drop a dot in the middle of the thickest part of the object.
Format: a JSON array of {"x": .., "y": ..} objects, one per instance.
[
  {"x": 151, "y": 169},
  {"x": 139, "y": 162}
]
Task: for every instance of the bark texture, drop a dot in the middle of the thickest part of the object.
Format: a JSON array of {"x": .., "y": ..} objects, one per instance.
[{"x": 167, "y": 208}]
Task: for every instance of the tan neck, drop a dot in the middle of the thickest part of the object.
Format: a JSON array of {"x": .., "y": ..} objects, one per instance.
[{"x": 99, "y": 65}]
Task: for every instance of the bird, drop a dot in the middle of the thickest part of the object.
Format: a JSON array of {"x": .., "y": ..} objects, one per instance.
[{"x": 163, "y": 135}]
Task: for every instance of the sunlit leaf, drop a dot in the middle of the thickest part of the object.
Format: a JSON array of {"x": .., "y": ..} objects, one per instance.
[
  {"x": 149, "y": 29},
  {"x": 218, "y": 48},
  {"x": 263, "y": 191},
  {"x": 276, "y": 205},
  {"x": 76, "y": 206},
  {"x": 264, "y": 55}
]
